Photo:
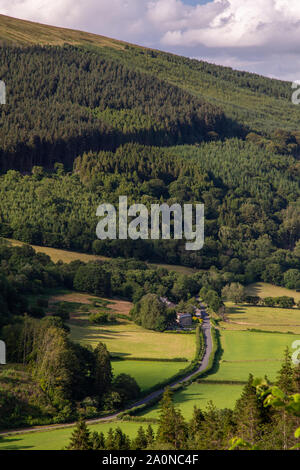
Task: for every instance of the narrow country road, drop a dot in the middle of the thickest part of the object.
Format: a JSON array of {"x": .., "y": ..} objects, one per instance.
[{"x": 206, "y": 326}]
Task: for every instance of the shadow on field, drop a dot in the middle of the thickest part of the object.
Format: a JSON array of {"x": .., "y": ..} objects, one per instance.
[
  {"x": 8, "y": 446},
  {"x": 235, "y": 310}
]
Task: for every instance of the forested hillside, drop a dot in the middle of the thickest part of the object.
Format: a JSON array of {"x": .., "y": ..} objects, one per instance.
[
  {"x": 251, "y": 205},
  {"x": 256, "y": 102},
  {"x": 112, "y": 117},
  {"x": 63, "y": 101}
]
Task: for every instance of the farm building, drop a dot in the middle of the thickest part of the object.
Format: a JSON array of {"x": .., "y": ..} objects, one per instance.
[{"x": 184, "y": 319}]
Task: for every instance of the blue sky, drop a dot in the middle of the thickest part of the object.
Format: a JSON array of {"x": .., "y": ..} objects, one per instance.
[{"x": 261, "y": 36}]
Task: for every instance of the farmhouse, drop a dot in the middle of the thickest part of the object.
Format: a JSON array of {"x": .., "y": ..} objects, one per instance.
[{"x": 184, "y": 319}]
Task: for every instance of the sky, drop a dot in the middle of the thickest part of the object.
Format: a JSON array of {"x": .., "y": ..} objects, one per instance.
[{"x": 261, "y": 36}]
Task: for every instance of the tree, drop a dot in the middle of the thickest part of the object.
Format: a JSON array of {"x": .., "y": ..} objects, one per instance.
[
  {"x": 151, "y": 313},
  {"x": 126, "y": 386},
  {"x": 213, "y": 427},
  {"x": 249, "y": 413},
  {"x": 150, "y": 435},
  {"x": 140, "y": 442},
  {"x": 196, "y": 421},
  {"x": 111, "y": 400},
  {"x": 234, "y": 292},
  {"x": 98, "y": 441},
  {"x": 92, "y": 278},
  {"x": 172, "y": 428},
  {"x": 283, "y": 424},
  {"x": 80, "y": 438},
  {"x": 291, "y": 279},
  {"x": 117, "y": 440},
  {"x": 103, "y": 370}
]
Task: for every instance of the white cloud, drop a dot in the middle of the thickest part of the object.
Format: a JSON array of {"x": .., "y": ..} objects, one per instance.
[{"x": 258, "y": 35}]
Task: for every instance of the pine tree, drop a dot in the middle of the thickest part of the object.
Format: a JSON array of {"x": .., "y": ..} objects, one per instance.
[
  {"x": 121, "y": 440},
  {"x": 98, "y": 441},
  {"x": 103, "y": 371},
  {"x": 150, "y": 435},
  {"x": 297, "y": 378},
  {"x": 110, "y": 440},
  {"x": 172, "y": 428},
  {"x": 286, "y": 379},
  {"x": 282, "y": 423},
  {"x": 249, "y": 414},
  {"x": 80, "y": 439},
  {"x": 196, "y": 421},
  {"x": 140, "y": 441},
  {"x": 212, "y": 429}
]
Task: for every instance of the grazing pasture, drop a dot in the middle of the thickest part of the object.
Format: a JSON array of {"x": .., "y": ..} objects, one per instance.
[
  {"x": 245, "y": 352},
  {"x": 243, "y": 317},
  {"x": 199, "y": 394},
  {"x": 263, "y": 289},
  {"x": 59, "y": 438},
  {"x": 148, "y": 373},
  {"x": 128, "y": 339}
]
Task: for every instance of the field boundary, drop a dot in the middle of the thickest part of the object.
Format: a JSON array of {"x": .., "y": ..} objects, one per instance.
[{"x": 147, "y": 359}]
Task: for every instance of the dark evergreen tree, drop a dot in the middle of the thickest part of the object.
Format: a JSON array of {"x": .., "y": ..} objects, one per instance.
[
  {"x": 172, "y": 428},
  {"x": 103, "y": 371},
  {"x": 140, "y": 442},
  {"x": 80, "y": 438},
  {"x": 249, "y": 414}
]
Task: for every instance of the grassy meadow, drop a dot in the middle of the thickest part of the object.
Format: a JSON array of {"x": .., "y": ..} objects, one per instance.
[
  {"x": 147, "y": 373},
  {"x": 245, "y": 352},
  {"x": 59, "y": 438},
  {"x": 243, "y": 317},
  {"x": 130, "y": 340},
  {"x": 200, "y": 394},
  {"x": 29, "y": 33},
  {"x": 263, "y": 289}
]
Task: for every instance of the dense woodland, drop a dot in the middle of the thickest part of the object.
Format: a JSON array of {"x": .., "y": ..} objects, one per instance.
[
  {"x": 62, "y": 102},
  {"x": 251, "y": 199}
]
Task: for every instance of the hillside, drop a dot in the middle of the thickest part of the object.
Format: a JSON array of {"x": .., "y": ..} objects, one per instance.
[
  {"x": 259, "y": 103},
  {"x": 14, "y": 31},
  {"x": 148, "y": 124}
]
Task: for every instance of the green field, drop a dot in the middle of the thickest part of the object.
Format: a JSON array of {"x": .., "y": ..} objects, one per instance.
[
  {"x": 243, "y": 317},
  {"x": 222, "y": 395},
  {"x": 263, "y": 289},
  {"x": 244, "y": 352},
  {"x": 250, "y": 352},
  {"x": 57, "y": 439},
  {"x": 67, "y": 256},
  {"x": 148, "y": 373},
  {"x": 128, "y": 339}
]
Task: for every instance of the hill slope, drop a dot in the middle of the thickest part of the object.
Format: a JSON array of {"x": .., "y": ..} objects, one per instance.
[
  {"x": 21, "y": 32},
  {"x": 260, "y": 103}
]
